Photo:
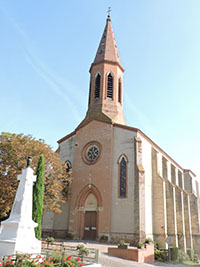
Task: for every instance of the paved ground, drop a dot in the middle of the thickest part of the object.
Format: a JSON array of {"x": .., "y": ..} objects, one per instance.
[{"x": 111, "y": 261}]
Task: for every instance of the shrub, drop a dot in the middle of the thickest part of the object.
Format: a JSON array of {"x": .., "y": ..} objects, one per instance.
[
  {"x": 148, "y": 240},
  {"x": 140, "y": 245},
  {"x": 161, "y": 254},
  {"x": 104, "y": 238},
  {"x": 122, "y": 244},
  {"x": 182, "y": 256},
  {"x": 174, "y": 253},
  {"x": 82, "y": 250},
  {"x": 190, "y": 253},
  {"x": 50, "y": 239}
]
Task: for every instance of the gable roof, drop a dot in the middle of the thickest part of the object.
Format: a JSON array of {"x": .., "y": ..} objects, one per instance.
[{"x": 138, "y": 131}]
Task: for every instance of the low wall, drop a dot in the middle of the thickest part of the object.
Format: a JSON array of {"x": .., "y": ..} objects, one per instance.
[
  {"x": 142, "y": 255},
  {"x": 94, "y": 265}
]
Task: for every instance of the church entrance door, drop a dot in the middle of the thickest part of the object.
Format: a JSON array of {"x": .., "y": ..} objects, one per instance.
[{"x": 90, "y": 225}]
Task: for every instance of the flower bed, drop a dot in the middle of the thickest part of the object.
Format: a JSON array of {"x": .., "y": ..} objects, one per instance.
[
  {"x": 56, "y": 259},
  {"x": 62, "y": 256}
]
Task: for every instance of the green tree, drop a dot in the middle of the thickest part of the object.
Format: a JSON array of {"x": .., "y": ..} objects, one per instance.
[
  {"x": 14, "y": 151},
  {"x": 38, "y": 193}
]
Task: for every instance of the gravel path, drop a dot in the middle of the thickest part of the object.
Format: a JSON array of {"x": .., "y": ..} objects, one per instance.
[{"x": 110, "y": 261}]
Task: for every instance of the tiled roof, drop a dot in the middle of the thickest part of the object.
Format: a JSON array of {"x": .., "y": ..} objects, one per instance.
[{"x": 107, "y": 50}]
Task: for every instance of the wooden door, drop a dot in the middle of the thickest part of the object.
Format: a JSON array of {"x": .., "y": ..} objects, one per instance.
[{"x": 90, "y": 225}]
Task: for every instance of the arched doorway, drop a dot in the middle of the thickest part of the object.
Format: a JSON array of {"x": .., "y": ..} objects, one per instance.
[
  {"x": 89, "y": 203},
  {"x": 90, "y": 222}
]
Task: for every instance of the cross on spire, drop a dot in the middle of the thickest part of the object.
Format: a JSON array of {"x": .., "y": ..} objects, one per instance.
[{"x": 109, "y": 10}]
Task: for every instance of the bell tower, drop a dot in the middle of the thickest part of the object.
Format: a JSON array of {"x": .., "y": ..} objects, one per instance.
[{"x": 106, "y": 81}]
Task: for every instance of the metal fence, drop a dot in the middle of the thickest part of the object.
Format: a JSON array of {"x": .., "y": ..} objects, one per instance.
[{"x": 67, "y": 250}]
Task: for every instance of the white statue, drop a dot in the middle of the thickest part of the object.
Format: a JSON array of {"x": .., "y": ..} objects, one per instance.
[{"x": 17, "y": 233}]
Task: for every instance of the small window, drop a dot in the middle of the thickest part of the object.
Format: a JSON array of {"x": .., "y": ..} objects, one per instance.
[
  {"x": 68, "y": 165},
  {"x": 119, "y": 91},
  {"x": 66, "y": 183},
  {"x": 110, "y": 86},
  {"x": 97, "y": 86},
  {"x": 123, "y": 177}
]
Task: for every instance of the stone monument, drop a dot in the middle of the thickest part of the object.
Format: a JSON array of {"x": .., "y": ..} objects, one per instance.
[{"x": 17, "y": 233}]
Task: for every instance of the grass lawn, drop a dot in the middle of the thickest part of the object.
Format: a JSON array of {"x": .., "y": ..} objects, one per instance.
[{"x": 191, "y": 263}]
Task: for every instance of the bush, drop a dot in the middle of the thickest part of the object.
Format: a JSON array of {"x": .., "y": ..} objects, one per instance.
[
  {"x": 82, "y": 250},
  {"x": 50, "y": 239},
  {"x": 174, "y": 253},
  {"x": 104, "y": 238},
  {"x": 148, "y": 240},
  {"x": 122, "y": 244},
  {"x": 196, "y": 258},
  {"x": 140, "y": 245},
  {"x": 190, "y": 253},
  {"x": 182, "y": 256},
  {"x": 160, "y": 254}
]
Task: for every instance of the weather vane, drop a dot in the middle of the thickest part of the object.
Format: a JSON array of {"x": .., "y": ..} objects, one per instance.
[{"x": 109, "y": 10}]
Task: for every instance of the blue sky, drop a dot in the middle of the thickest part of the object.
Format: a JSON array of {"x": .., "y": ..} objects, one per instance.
[{"x": 47, "y": 48}]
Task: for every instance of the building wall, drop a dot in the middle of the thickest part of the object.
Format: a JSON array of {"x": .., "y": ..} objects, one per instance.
[
  {"x": 67, "y": 148},
  {"x": 92, "y": 177},
  {"x": 125, "y": 208},
  {"x": 147, "y": 165},
  {"x": 176, "y": 198},
  {"x": 162, "y": 199},
  {"x": 54, "y": 224}
]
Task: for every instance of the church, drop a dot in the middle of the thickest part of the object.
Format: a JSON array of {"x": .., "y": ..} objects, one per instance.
[{"x": 124, "y": 185}]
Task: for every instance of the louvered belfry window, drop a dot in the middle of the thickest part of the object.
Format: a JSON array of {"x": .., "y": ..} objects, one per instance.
[
  {"x": 89, "y": 93},
  {"x": 119, "y": 90},
  {"x": 97, "y": 86},
  {"x": 110, "y": 86}
]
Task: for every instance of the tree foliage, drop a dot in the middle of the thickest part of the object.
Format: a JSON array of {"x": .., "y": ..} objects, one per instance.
[
  {"x": 38, "y": 193},
  {"x": 14, "y": 151}
]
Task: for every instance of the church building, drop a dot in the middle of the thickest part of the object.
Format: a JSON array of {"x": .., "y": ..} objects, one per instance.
[{"x": 124, "y": 185}]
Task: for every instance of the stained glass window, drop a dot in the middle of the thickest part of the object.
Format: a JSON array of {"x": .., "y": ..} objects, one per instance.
[
  {"x": 119, "y": 90},
  {"x": 123, "y": 177},
  {"x": 92, "y": 153}
]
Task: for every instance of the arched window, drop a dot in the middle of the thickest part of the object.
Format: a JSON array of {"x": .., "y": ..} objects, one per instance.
[
  {"x": 119, "y": 90},
  {"x": 123, "y": 176},
  {"x": 110, "y": 86},
  {"x": 97, "y": 86},
  {"x": 68, "y": 165},
  {"x": 66, "y": 183}
]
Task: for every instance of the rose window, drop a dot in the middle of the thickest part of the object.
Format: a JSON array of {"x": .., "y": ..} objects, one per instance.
[{"x": 92, "y": 153}]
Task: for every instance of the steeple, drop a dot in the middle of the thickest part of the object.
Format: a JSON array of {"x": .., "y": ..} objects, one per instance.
[
  {"x": 107, "y": 50},
  {"x": 106, "y": 81}
]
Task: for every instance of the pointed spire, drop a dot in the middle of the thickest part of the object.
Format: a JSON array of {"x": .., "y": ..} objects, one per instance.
[{"x": 107, "y": 50}]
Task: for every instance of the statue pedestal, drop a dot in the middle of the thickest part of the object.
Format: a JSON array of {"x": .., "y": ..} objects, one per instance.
[{"x": 17, "y": 233}]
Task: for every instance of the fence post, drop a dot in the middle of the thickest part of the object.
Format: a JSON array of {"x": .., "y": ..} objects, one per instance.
[{"x": 97, "y": 255}]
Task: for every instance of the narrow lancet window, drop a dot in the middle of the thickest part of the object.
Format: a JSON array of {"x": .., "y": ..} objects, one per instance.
[
  {"x": 97, "y": 86},
  {"x": 123, "y": 177},
  {"x": 110, "y": 86},
  {"x": 119, "y": 91},
  {"x": 89, "y": 93},
  {"x": 68, "y": 166}
]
